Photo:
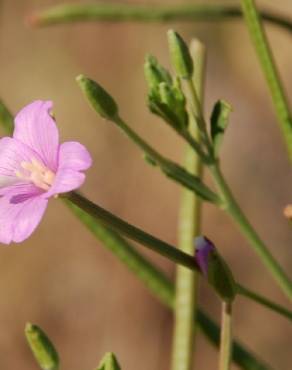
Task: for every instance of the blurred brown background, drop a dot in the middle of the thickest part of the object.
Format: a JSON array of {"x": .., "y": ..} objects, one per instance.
[{"x": 65, "y": 281}]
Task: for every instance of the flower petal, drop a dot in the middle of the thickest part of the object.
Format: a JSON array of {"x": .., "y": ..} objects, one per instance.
[
  {"x": 12, "y": 154},
  {"x": 18, "y": 221},
  {"x": 65, "y": 180},
  {"x": 37, "y": 129},
  {"x": 75, "y": 156},
  {"x": 28, "y": 218}
]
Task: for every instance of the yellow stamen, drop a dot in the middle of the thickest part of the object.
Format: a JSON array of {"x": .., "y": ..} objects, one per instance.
[{"x": 37, "y": 173}]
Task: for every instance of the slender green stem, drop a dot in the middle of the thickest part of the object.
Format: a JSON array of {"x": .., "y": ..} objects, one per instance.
[
  {"x": 108, "y": 219},
  {"x": 170, "y": 168},
  {"x": 264, "y": 301},
  {"x": 159, "y": 285},
  {"x": 266, "y": 59},
  {"x": 187, "y": 282},
  {"x": 233, "y": 209},
  {"x": 226, "y": 337},
  {"x": 199, "y": 119},
  {"x": 67, "y": 13}
]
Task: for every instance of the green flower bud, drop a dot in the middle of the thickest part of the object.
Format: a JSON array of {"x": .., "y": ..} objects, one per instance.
[
  {"x": 109, "y": 362},
  {"x": 155, "y": 73},
  {"x": 219, "y": 123},
  {"x": 42, "y": 348},
  {"x": 180, "y": 55},
  {"x": 100, "y": 100},
  {"x": 166, "y": 95},
  {"x": 215, "y": 269}
]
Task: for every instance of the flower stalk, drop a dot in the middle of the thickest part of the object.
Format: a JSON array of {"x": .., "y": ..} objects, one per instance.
[
  {"x": 68, "y": 13},
  {"x": 108, "y": 219},
  {"x": 269, "y": 68},
  {"x": 187, "y": 282},
  {"x": 226, "y": 337},
  {"x": 234, "y": 210}
]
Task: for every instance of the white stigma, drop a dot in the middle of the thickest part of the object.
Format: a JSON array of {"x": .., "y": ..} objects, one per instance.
[{"x": 37, "y": 173}]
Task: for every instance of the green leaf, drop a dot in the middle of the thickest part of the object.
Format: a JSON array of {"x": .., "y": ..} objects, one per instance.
[
  {"x": 100, "y": 99},
  {"x": 42, "y": 348},
  {"x": 109, "y": 362},
  {"x": 219, "y": 123}
]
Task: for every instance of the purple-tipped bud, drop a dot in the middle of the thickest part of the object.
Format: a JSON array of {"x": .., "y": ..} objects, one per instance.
[
  {"x": 215, "y": 269},
  {"x": 203, "y": 249}
]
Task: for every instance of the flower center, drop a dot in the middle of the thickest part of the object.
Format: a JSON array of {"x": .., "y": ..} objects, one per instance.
[{"x": 37, "y": 173}]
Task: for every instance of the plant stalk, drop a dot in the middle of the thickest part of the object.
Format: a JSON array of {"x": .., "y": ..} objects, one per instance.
[
  {"x": 233, "y": 209},
  {"x": 268, "y": 66},
  {"x": 68, "y": 13},
  {"x": 187, "y": 282},
  {"x": 226, "y": 337}
]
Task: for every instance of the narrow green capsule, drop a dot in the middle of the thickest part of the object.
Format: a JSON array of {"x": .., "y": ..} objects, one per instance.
[
  {"x": 100, "y": 100},
  {"x": 180, "y": 55},
  {"x": 109, "y": 362},
  {"x": 41, "y": 347}
]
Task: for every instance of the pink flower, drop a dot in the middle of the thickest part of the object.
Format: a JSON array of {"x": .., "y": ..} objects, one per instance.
[{"x": 33, "y": 168}]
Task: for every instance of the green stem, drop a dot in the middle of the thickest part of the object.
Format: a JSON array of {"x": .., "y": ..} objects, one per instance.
[
  {"x": 233, "y": 209},
  {"x": 125, "y": 12},
  {"x": 170, "y": 168},
  {"x": 266, "y": 59},
  {"x": 159, "y": 285},
  {"x": 108, "y": 219},
  {"x": 187, "y": 282},
  {"x": 226, "y": 337},
  {"x": 241, "y": 290}
]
